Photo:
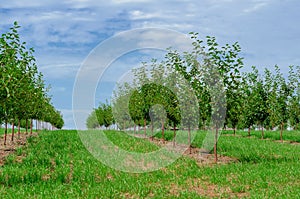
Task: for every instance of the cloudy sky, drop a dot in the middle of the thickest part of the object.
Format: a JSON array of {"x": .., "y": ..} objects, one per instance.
[{"x": 63, "y": 33}]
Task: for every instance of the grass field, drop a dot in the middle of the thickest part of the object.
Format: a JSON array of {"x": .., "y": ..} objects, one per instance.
[
  {"x": 273, "y": 135},
  {"x": 57, "y": 165}
]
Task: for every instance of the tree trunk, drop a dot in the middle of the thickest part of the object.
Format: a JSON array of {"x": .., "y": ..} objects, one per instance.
[
  {"x": 189, "y": 137},
  {"x": 36, "y": 125},
  {"x": 234, "y": 131},
  {"x": 281, "y": 130},
  {"x": 30, "y": 126},
  {"x": 134, "y": 129},
  {"x": 12, "y": 131},
  {"x": 204, "y": 125},
  {"x": 163, "y": 130},
  {"x": 215, "y": 146},
  {"x": 26, "y": 126},
  {"x": 262, "y": 132},
  {"x": 145, "y": 134},
  {"x": 19, "y": 128},
  {"x": 5, "y": 133},
  {"x": 249, "y": 129},
  {"x": 174, "y": 136},
  {"x": 152, "y": 134}
]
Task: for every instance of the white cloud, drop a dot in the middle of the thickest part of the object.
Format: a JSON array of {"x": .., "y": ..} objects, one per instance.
[
  {"x": 138, "y": 15},
  {"x": 256, "y": 6},
  {"x": 59, "y": 71},
  {"x": 129, "y": 1},
  {"x": 58, "y": 89}
]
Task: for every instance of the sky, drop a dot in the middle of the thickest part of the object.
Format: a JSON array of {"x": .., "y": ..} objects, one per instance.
[{"x": 65, "y": 33}]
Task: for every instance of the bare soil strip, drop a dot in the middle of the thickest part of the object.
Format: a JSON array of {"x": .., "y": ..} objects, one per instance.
[
  {"x": 12, "y": 146},
  {"x": 200, "y": 155}
]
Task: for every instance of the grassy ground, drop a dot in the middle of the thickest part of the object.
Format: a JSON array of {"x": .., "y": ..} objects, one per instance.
[
  {"x": 273, "y": 135},
  {"x": 57, "y": 165}
]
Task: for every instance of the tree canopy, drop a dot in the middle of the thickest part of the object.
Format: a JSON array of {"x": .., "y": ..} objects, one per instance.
[
  {"x": 250, "y": 99},
  {"x": 23, "y": 93}
]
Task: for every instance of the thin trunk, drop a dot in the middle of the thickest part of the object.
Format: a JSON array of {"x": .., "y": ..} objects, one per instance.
[
  {"x": 145, "y": 128},
  {"x": 152, "y": 134},
  {"x": 5, "y": 133},
  {"x": 26, "y": 126},
  {"x": 174, "y": 130},
  {"x": 262, "y": 132},
  {"x": 215, "y": 146},
  {"x": 134, "y": 128},
  {"x": 189, "y": 137},
  {"x": 124, "y": 126},
  {"x": 30, "y": 126},
  {"x": 12, "y": 131},
  {"x": 163, "y": 130},
  {"x": 234, "y": 131},
  {"x": 36, "y": 125},
  {"x": 19, "y": 128},
  {"x": 249, "y": 129},
  {"x": 281, "y": 130}
]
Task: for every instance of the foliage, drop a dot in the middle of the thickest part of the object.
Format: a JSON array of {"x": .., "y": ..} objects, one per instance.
[
  {"x": 101, "y": 116},
  {"x": 237, "y": 100},
  {"x": 23, "y": 94}
]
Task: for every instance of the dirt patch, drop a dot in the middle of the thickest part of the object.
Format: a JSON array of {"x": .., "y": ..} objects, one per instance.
[
  {"x": 287, "y": 142},
  {"x": 282, "y": 141},
  {"x": 12, "y": 146},
  {"x": 294, "y": 143},
  {"x": 200, "y": 155},
  {"x": 109, "y": 177},
  {"x": 204, "y": 188},
  {"x": 129, "y": 195},
  {"x": 204, "y": 158}
]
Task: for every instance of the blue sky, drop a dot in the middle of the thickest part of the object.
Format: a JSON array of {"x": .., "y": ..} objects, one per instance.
[{"x": 64, "y": 32}]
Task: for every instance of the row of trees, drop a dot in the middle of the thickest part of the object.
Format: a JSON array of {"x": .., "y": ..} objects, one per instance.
[
  {"x": 267, "y": 100},
  {"x": 211, "y": 76},
  {"x": 23, "y": 94},
  {"x": 101, "y": 116}
]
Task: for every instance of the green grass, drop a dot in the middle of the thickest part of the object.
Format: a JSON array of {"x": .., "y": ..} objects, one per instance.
[
  {"x": 273, "y": 135},
  {"x": 9, "y": 130},
  {"x": 57, "y": 165}
]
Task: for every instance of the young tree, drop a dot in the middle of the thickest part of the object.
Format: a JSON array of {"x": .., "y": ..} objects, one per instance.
[
  {"x": 120, "y": 106},
  {"x": 294, "y": 97},
  {"x": 282, "y": 100},
  {"x": 249, "y": 99},
  {"x": 92, "y": 122},
  {"x": 108, "y": 115}
]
